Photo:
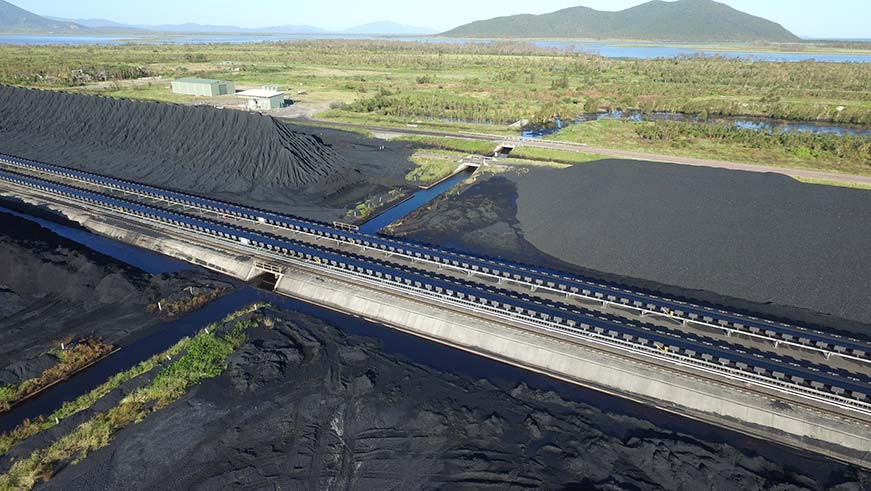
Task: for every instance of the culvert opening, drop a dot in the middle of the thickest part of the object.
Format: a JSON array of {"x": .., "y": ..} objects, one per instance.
[{"x": 265, "y": 281}]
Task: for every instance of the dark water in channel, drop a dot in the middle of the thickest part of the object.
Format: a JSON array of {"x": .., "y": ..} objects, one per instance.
[
  {"x": 418, "y": 199},
  {"x": 165, "y": 336},
  {"x": 144, "y": 259},
  {"x": 414, "y": 350},
  {"x": 746, "y": 122}
]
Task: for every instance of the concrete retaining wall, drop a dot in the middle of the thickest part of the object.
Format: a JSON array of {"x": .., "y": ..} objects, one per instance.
[
  {"x": 728, "y": 406},
  {"x": 744, "y": 411},
  {"x": 240, "y": 267}
]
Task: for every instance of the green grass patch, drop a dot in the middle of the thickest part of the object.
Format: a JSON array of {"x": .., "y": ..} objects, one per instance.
[
  {"x": 699, "y": 140},
  {"x": 549, "y": 155},
  {"x": 423, "y": 123},
  {"x": 478, "y": 147},
  {"x": 151, "y": 92},
  {"x": 201, "y": 357},
  {"x": 185, "y": 305},
  {"x": 69, "y": 361},
  {"x": 430, "y": 169},
  {"x": 364, "y": 209},
  {"x": 608, "y": 133},
  {"x": 516, "y": 163},
  {"x": 349, "y": 129}
]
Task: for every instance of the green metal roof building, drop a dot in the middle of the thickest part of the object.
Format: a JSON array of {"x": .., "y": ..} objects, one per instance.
[{"x": 202, "y": 87}]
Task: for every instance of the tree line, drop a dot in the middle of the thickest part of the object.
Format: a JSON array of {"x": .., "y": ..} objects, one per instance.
[{"x": 818, "y": 146}]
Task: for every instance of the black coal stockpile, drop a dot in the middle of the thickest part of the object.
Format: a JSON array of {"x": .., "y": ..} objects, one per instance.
[
  {"x": 52, "y": 289},
  {"x": 202, "y": 149},
  {"x": 304, "y": 405}
]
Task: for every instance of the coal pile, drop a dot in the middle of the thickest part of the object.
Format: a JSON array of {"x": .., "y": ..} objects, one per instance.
[
  {"x": 759, "y": 243},
  {"x": 762, "y": 237},
  {"x": 304, "y": 405},
  {"x": 190, "y": 148},
  {"x": 53, "y": 289}
]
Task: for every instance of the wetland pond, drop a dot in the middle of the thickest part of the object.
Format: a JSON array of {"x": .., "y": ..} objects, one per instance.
[{"x": 746, "y": 122}]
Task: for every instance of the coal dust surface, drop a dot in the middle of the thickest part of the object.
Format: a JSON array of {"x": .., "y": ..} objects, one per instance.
[
  {"x": 54, "y": 290},
  {"x": 239, "y": 156},
  {"x": 306, "y": 405},
  {"x": 756, "y": 242}
]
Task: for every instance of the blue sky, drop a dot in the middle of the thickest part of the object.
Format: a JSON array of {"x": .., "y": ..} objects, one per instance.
[{"x": 819, "y": 18}]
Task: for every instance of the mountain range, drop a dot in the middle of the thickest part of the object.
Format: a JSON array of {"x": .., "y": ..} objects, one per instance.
[
  {"x": 657, "y": 20},
  {"x": 15, "y": 19},
  {"x": 384, "y": 27}
]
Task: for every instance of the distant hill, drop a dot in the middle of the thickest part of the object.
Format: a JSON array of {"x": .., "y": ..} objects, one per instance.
[
  {"x": 17, "y": 20},
  {"x": 388, "y": 27},
  {"x": 92, "y": 23},
  {"x": 682, "y": 20},
  {"x": 105, "y": 25},
  {"x": 289, "y": 29}
]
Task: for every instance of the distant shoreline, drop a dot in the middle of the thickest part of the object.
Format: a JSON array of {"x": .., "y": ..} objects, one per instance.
[{"x": 803, "y": 47}]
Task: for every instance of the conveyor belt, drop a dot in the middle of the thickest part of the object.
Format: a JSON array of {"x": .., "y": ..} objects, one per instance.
[
  {"x": 848, "y": 389},
  {"x": 535, "y": 277}
]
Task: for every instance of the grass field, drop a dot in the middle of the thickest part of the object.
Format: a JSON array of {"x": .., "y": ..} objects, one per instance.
[
  {"x": 469, "y": 146},
  {"x": 624, "y": 135},
  {"x": 461, "y": 84},
  {"x": 559, "y": 156},
  {"x": 433, "y": 166},
  {"x": 478, "y": 88}
]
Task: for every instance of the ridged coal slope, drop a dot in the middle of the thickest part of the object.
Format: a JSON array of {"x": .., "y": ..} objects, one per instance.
[
  {"x": 52, "y": 288},
  {"x": 198, "y": 148}
]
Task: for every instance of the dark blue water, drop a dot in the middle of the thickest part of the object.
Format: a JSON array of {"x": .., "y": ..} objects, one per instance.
[
  {"x": 417, "y": 351},
  {"x": 48, "y": 39},
  {"x": 148, "y": 261},
  {"x": 417, "y": 200},
  {"x": 752, "y": 123},
  {"x": 608, "y": 50}
]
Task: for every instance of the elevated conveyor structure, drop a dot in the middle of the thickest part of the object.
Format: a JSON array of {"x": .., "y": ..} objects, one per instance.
[
  {"x": 532, "y": 277},
  {"x": 803, "y": 379}
]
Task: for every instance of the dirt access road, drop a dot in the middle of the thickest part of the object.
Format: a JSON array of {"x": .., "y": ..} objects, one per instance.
[{"x": 389, "y": 132}]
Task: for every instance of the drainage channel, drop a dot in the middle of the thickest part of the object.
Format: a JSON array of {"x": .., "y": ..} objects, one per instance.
[{"x": 418, "y": 199}]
